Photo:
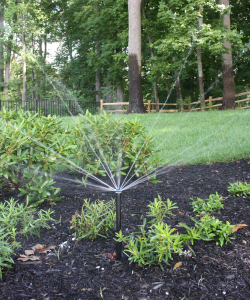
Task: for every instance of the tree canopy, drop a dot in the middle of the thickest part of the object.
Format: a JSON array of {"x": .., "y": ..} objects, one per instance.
[{"x": 92, "y": 61}]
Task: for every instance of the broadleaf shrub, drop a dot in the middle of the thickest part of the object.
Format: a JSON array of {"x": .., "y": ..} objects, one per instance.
[
  {"x": 117, "y": 143},
  {"x": 30, "y": 146}
]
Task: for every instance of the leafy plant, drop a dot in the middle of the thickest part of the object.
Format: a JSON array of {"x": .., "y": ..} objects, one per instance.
[
  {"x": 208, "y": 229},
  {"x": 152, "y": 246},
  {"x": 95, "y": 220},
  {"x": 30, "y": 146},
  {"x": 157, "y": 243},
  {"x": 209, "y": 205},
  {"x": 6, "y": 250},
  {"x": 104, "y": 143},
  {"x": 159, "y": 209},
  {"x": 16, "y": 219},
  {"x": 239, "y": 189},
  {"x": 38, "y": 189}
]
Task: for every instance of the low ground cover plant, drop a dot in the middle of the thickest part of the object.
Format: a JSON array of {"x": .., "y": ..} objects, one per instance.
[
  {"x": 210, "y": 205},
  {"x": 6, "y": 250},
  {"x": 16, "y": 219},
  {"x": 30, "y": 146},
  {"x": 155, "y": 243},
  {"x": 239, "y": 189},
  {"x": 208, "y": 228},
  {"x": 95, "y": 219}
]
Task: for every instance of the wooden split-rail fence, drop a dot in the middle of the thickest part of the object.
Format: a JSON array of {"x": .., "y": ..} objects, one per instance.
[{"x": 212, "y": 103}]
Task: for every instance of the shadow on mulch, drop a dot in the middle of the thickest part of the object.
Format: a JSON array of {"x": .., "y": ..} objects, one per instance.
[{"x": 83, "y": 270}]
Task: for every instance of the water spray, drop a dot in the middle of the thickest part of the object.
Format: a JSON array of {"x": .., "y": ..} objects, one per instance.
[{"x": 118, "y": 246}]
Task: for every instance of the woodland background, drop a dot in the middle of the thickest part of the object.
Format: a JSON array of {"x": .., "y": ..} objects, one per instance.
[{"x": 92, "y": 60}]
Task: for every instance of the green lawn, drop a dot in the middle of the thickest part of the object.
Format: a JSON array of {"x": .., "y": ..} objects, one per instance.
[{"x": 191, "y": 138}]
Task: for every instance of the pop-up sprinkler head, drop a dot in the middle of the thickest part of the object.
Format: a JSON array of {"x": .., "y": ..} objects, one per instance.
[{"x": 118, "y": 246}]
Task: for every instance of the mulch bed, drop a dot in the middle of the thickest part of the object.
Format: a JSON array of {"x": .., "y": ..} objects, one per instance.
[{"x": 83, "y": 269}]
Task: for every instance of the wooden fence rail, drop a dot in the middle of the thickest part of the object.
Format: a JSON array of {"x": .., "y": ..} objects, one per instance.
[{"x": 150, "y": 105}]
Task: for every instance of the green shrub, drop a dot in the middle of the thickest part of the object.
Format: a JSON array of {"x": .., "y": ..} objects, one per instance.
[
  {"x": 239, "y": 189},
  {"x": 115, "y": 142},
  {"x": 209, "y": 205},
  {"x": 29, "y": 148},
  {"x": 95, "y": 220},
  {"x": 39, "y": 188}
]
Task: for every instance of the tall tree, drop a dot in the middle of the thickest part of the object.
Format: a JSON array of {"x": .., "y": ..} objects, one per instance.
[
  {"x": 156, "y": 95},
  {"x": 227, "y": 65},
  {"x": 134, "y": 44},
  {"x": 199, "y": 62},
  {"x": 23, "y": 61},
  {"x": 1, "y": 45},
  {"x": 178, "y": 90},
  {"x": 7, "y": 66},
  {"x": 98, "y": 85}
]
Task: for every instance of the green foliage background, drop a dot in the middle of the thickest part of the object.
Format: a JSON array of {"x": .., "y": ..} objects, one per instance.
[{"x": 93, "y": 36}]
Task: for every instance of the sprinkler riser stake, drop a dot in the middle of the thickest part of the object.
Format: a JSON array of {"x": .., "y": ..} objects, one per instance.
[{"x": 118, "y": 246}]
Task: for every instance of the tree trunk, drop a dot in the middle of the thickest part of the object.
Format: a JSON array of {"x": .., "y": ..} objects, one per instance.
[
  {"x": 119, "y": 92},
  {"x": 24, "y": 69},
  {"x": 109, "y": 96},
  {"x": 7, "y": 66},
  {"x": 98, "y": 85},
  {"x": 178, "y": 90},
  {"x": 228, "y": 101},
  {"x": 134, "y": 44},
  {"x": 71, "y": 58},
  {"x": 16, "y": 35},
  {"x": 179, "y": 93},
  {"x": 119, "y": 87},
  {"x": 156, "y": 95},
  {"x": 19, "y": 87},
  {"x": 200, "y": 70},
  {"x": 45, "y": 47},
  {"x": 44, "y": 61},
  {"x": 32, "y": 73},
  {"x": 216, "y": 80},
  {"x": 7, "y": 71},
  {"x": 41, "y": 61},
  {"x": 1, "y": 46}
]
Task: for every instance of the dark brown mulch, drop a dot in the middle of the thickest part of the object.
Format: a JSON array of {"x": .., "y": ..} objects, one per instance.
[{"x": 83, "y": 270}]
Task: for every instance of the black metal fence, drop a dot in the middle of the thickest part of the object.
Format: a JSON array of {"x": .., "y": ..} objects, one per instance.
[{"x": 56, "y": 107}]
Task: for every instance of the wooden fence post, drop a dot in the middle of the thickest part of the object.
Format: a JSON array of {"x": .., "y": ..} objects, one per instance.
[
  {"x": 101, "y": 105},
  {"x": 149, "y": 106},
  {"x": 210, "y": 102}
]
